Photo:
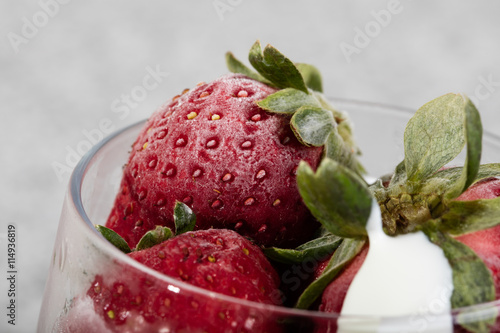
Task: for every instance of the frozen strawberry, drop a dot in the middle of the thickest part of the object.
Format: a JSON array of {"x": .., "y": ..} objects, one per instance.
[
  {"x": 483, "y": 242},
  {"x": 219, "y": 261},
  {"x": 455, "y": 207},
  {"x": 229, "y": 149},
  {"x": 215, "y": 150}
]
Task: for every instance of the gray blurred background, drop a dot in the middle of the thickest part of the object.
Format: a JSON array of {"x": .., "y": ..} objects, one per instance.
[{"x": 68, "y": 66}]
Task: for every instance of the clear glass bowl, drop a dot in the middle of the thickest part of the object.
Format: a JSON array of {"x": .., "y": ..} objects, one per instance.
[{"x": 81, "y": 254}]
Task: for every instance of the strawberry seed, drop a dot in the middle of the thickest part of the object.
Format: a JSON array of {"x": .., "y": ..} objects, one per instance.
[
  {"x": 246, "y": 145},
  {"x": 242, "y": 93},
  {"x": 249, "y": 201},
  {"x": 261, "y": 174},
  {"x": 152, "y": 164},
  {"x": 111, "y": 314},
  {"x": 238, "y": 225},
  {"x": 188, "y": 200},
  {"x": 161, "y": 135},
  {"x": 256, "y": 117},
  {"x": 212, "y": 144},
  {"x": 217, "y": 204},
  {"x": 181, "y": 142},
  {"x": 227, "y": 177}
]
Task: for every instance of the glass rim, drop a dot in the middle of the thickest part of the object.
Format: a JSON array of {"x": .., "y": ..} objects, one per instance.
[{"x": 75, "y": 185}]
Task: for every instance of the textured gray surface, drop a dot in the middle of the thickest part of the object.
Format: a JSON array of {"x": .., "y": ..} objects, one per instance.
[{"x": 67, "y": 75}]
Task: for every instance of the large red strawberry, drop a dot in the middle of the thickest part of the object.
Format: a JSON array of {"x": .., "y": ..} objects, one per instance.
[
  {"x": 217, "y": 260},
  {"x": 456, "y": 208},
  {"x": 232, "y": 161}
]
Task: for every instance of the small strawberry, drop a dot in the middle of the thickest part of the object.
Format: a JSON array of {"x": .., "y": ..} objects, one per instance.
[
  {"x": 457, "y": 208},
  {"x": 218, "y": 260},
  {"x": 229, "y": 149},
  {"x": 483, "y": 242}
]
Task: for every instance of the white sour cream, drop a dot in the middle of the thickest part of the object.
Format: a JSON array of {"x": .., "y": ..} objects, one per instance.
[{"x": 405, "y": 276}]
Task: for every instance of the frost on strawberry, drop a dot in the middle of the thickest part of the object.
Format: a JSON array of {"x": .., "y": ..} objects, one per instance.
[
  {"x": 217, "y": 260},
  {"x": 229, "y": 149}
]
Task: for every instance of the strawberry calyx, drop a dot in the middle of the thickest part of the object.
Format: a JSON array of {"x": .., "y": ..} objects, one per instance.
[
  {"x": 423, "y": 188},
  {"x": 184, "y": 219},
  {"x": 313, "y": 120}
]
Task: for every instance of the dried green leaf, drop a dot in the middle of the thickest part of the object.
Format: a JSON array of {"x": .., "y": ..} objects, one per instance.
[
  {"x": 312, "y": 125},
  {"x": 336, "y": 196},
  {"x": 154, "y": 237},
  {"x": 338, "y": 150},
  {"x": 473, "y": 133},
  {"x": 347, "y": 250},
  {"x": 443, "y": 180},
  {"x": 315, "y": 249},
  {"x": 311, "y": 75},
  {"x": 399, "y": 176},
  {"x": 236, "y": 66},
  {"x": 275, "y": 67},
  {"x": 113, "y": 238},
  {"x": 184, "y": 218},
  {"x": 462, "y": 217},
  {"x": 434, "y": 136},
  {"x": 287, "y": 101}
]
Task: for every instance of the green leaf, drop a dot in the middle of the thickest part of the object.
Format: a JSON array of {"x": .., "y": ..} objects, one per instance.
[
  {"x": 113, "y": 238},
  {"x": 184, "y": 218},
  {"x": 487, "y": 171},
  {"x": 154, "y": 237},
  {"x": 236, "y": 66},
  {"x": 287, "y": 101},
  {"x": 340, "y": 258},
  {"x": 463, "y": 217},
  {"x": 472, "y": 280},
  {"x": 399, "y": 176},
  {"x": 336, "y": 196},
  {"x": 453, "y": 174},
  {"x": 434, "y": 136},
  {"x": 338, "y": 150},
  {"x": 443, "y": 180},
  {"x": 275, "y": 67},
  {"x": 473, "y": 133},
  {"x": 316, "y": 249},
  {"x": 311, "y": 75},
  {"x": 312, "y": 125}
]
